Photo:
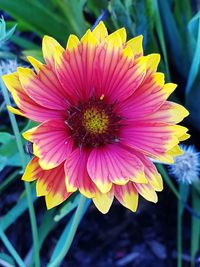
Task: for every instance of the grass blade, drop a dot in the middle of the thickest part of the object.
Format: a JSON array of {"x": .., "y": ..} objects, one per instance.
[{"x": 64, "y": 243}]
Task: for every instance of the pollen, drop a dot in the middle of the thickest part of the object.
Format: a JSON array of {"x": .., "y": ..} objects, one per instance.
[{"x": 95, "y": 121}]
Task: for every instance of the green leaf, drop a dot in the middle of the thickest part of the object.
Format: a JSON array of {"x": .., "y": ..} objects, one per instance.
[
  {"x": 196, "y": 185},
  {"x": 195, "y": 230},
  {"x": 159, "y": 30},
  {"x": 67, "y": 208},
  {"x": 184, "y": 191},
  {"x": 173, "y": 37},
  {"x": 96, "y": 6},
  {"x": 193, "y": 103},
  {"x": 192, "y": 88},
  {"x": 9, "y": 155},
  {"x": 120, "y": 16},
  {"x": 37, "y": 17},
  {"x": 182, "y": 15},
  {"x": 34, "y": 53},
  {"x": 167, "y": 179},
  {"x": 68, "y": 233},
  {"x": 194, "y": 28},
  {"x": 23, "y": 43},
  {"x": 6, "y": 260},
  {"x": 5, "y": 137},
  {"x": 73, "y": 12}
]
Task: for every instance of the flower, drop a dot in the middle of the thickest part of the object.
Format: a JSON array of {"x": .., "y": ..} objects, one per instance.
[
  {"x": 103, "y": 113},
  {"x": 186, "y": 167}
]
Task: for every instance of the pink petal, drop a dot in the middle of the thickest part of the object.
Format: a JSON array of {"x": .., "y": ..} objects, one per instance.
[
  {"x": 127, "y": 195},
  {"x": 44, "y": 88},
  {"x": 76, "y": 71},
  {"x": 77, "y": 174},
  {"x": 116, "y": 76},
  {"x": 113, "y": 164},
  {"x": 151, "y": 173},
  {"x": 51, "y": 143},
  {"x": 27, "y": 105},
  {"x": 50, "y": 183},
  {"x": 169, "y": 112},
  {"x": 145, "y": 100},
  {"x": 147, "y": 192},
  {"x": 149, "y": 138}
]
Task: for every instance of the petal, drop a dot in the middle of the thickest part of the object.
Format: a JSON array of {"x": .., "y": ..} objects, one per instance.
[
  {"x": 50, "y": 183},
  {"x": 28, "y": 107},
  {"x": 175, "y": 151},
  {"x": 52, "y": 143},
  {"x": 32, "y": 171},
  {"x": 116, "y": 75},
  {"x": 100, "y": 31},
  {"x": 151, "y": 139},
  {"x": 147, "y": 192},
  {"x": 152, "y": 63},
  {"x": 148, "y": 98},
  {"x": 15, "y": 111},
  {"x": 127, "y": 195},
  {"x": 169, "y": 112},
  {"x": 49, "y": 46},
  {"x": 102, "y": 201},
  {"x": 113, "y": 164},
  {"x": 43, "y": 88},
  {"x": 122, "y": 34},
  {"x": 77, "y": 175},
  {"x": 89, "y": 39},
  {"x": 35, "y": 63},
  {"x": 169, "y": 88},
  {"x": 151, "y": 173},
  {"x": 128, "y": 53},
  {"x": 114, "y": 40},
  {"x": 136, "y": 46},
  {"x": 75, "y": 68},
  {"x": 72, "y": 42},
  {"x": 184, "y": 137}
]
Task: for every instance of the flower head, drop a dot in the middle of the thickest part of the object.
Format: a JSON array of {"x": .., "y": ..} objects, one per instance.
[
  {"x": 103, "y": 112},
  {"x": 186, "y": 167}
]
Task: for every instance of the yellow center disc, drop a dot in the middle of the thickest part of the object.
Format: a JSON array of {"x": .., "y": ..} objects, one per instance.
[{"x": 95, "y": 121}]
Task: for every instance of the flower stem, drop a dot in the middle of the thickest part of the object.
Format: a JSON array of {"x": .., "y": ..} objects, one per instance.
[
  {"x": 167, "y": 179},
  {"x": 73, "y": 227},
  {"x": 11, "y": 249},
  {"x": 27, "y": 186},
  {"x": 179, "y": 233}
]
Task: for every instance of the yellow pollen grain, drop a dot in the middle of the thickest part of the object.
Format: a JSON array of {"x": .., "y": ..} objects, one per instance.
[{"x": 95, "y": 121}]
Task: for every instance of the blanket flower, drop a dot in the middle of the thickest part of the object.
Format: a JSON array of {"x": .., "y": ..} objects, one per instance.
[{"x": 103, "y": 115}]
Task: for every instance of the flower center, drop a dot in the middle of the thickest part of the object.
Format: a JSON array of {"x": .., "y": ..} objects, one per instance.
[{"x": 93, "y": 123}]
